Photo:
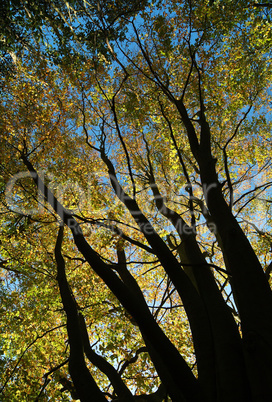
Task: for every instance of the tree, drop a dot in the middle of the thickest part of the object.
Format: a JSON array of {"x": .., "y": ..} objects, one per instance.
[{"x": 135, "y": 232}]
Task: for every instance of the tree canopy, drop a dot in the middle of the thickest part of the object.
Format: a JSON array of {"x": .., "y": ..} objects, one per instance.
[{"x": 135, "y": 191}]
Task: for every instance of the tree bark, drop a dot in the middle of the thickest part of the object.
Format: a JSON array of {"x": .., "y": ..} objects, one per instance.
[
  {"x": 172, "y": 368},
  {"x": 84, "y": 383}
]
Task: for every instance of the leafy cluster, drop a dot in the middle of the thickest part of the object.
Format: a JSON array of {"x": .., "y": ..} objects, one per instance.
[{"x": 135, "y": 195}]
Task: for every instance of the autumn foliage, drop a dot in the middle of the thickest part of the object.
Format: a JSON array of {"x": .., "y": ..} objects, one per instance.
[{"x": 135, "y": 200}]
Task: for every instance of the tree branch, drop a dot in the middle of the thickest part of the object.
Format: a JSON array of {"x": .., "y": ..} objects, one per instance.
[
  {"x": 84, "y": 383},
  {"x": 115, "y": 378}
]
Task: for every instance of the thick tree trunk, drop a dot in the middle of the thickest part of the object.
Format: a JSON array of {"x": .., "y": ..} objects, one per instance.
[
  {"x": 230, "y": 380},
  {"x": 252, "y": 292},
  {"x": 250, "y": 286}
]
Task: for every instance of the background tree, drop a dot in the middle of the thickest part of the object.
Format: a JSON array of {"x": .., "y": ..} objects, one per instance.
[{"x": 135, "y": 253}]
